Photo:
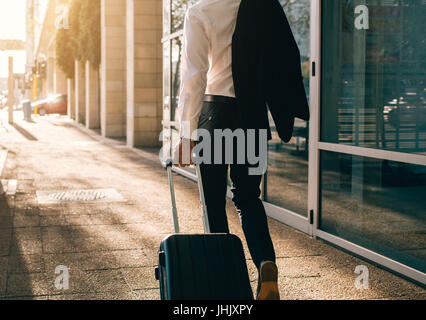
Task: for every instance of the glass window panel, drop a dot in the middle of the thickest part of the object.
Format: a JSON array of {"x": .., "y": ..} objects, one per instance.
[
  {"x": 287, "y": 177},
  {"x": 166, "y": 80},
  {"x": 166, "y": 99},
  {"x": 378, "y": 204},
  {"x": 175, "y": 74},
  {"x": 374, "y": 79},
  {"x": 179, "y": 8}
]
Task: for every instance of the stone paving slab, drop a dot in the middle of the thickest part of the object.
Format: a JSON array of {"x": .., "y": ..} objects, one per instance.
[{"x": 110, "y": 249}]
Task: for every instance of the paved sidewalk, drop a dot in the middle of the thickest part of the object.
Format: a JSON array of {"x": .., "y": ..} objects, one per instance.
[{"x": 110, "y": 248}]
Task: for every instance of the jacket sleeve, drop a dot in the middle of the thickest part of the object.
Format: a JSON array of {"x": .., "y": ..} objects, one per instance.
[{"x": 194, "y": 68}]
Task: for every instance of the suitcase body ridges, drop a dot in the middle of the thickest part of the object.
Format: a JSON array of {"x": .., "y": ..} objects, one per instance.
[{"x": 201, "y": 266}]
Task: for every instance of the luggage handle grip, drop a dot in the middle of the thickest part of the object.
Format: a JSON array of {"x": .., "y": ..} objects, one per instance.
[{"x": 169, "y": 165}]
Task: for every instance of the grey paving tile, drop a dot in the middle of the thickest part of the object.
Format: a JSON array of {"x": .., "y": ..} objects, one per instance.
[
  {"x": 115, "y": 295},
  {"x": 140, "y": 278},
  {"x": 136, "y": 258},
  {"x": 58, "y": 245},
  {"x": 27, "y": 233},
  {"x": 52, "y": 220},
  {"x": 3, "y": 275},
  {"x": 78, "y": 220},
  {"x": 25, "y": 246},
  {"x": 147, "y": 294},
  {"x": 5, "y": 221},
  {"x": 5, "y": 242},
  {"x": 6, "y": 205},
  {"x": 25, "y": 220},
  {"x": 25, "y": 298},
  {"x": 27, "y": 263},
  {"x": 84, "y": 261},
  {"x": 28, "y": 284},
  {"x": 90, "y": 282}
]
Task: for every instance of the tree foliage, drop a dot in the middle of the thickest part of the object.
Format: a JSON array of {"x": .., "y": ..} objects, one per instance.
[
  {"x": 74, "y": 25},
  {"x": 90, "y": 32},
  {"x": 82, "y": 39},
  {"x": 64, "y": 55}
]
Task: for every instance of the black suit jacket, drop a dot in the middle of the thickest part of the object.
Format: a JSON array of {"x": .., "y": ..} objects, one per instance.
[{"x": 266, "y": 69}]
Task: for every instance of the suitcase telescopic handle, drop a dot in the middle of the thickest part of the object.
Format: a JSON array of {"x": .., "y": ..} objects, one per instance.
[{"x": 169, "y": 165}]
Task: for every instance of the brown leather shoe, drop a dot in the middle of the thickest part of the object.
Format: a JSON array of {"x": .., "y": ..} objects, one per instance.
[{"x": 268, "y": 282}]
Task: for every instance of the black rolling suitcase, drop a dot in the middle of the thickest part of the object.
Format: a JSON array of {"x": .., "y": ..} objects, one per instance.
[{"x": 201, "y": 266}]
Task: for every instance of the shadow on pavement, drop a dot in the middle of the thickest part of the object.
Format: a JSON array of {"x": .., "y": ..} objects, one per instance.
[
  {"x": 14, "y": 274},
  {"x": 24, "y": 132}
]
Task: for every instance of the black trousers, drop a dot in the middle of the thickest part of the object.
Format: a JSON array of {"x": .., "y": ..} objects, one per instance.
[{"x": 245, "y": 188}]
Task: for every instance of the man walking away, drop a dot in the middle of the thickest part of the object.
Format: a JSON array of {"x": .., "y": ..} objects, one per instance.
[{"x": 239, "y": 58}]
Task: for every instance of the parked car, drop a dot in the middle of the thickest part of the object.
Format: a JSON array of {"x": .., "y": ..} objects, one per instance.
[{"x": 53, "y": 104}]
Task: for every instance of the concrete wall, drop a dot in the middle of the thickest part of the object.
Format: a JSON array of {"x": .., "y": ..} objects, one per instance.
[
  {"x": 71, "y": 98},
  {"x": 124, "y": 97},
  {"x": 92, "y": 97},
  {"x": 144, "y": 72},
  {"x": 50, "y": 76},
  {"x": 80, "y": 101},
  {"x": 113, "y": 68}
]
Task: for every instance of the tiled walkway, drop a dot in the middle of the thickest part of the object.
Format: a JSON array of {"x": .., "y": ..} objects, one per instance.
[{"x": 110, "y": 248}]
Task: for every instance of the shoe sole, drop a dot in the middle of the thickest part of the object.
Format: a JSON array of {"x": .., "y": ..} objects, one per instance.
[{"x": 269, "y": 282}]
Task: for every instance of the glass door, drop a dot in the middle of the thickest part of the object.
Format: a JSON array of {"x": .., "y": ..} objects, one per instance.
[{"x": 371, "y": 132}]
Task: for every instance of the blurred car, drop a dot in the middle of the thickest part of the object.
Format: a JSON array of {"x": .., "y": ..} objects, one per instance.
[
  {"x": 408, "y": 116},
  {"x": 53, "y": 104},
  {"x": 408, "y": 110}
]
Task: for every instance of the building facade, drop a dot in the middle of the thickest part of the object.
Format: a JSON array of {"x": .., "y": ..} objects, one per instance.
[
  {"x": 41, "y": 54},
  {"x": 355, "y": 175}
]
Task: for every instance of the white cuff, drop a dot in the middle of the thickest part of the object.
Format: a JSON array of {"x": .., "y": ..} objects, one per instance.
[{"x": 186, "y": 129}]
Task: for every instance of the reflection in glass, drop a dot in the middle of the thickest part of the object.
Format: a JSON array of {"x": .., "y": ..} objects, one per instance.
[
  {"x": 166, "y": 99},
  {"x": 166, "y": 80},
  {"x": 378, "y": 204},
  {"x": 287, "y": 177},
  {"x": 175, "y": 74},
  {"x": 374, "y": 79},
  {"x": 179, "y": 8},
  {"x": 298, "y": 15}
]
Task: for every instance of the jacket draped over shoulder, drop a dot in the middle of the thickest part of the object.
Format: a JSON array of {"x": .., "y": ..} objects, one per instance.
[{"x": 266, "y": 69}]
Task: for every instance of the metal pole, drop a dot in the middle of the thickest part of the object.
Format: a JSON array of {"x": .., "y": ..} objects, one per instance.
[
  {"x": 11, "y": 91},
  {"x": 203, "y": 200},
  {"x": 169, "y": 165}
]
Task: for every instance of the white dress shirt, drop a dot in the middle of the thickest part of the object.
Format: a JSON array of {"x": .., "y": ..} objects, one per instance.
[{"x": 206, "y": 58}]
